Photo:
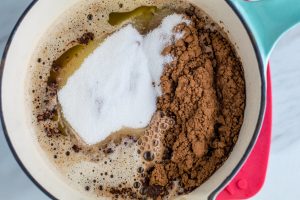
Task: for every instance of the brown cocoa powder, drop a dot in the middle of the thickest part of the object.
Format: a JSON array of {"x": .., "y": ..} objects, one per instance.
[{"x": 204, "y": 92}]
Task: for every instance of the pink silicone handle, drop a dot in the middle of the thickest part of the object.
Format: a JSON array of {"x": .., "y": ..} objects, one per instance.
[{"x": 251, "y": 177}]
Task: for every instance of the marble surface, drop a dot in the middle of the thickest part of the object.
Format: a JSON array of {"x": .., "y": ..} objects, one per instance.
[{"x": 284, "y": 168}]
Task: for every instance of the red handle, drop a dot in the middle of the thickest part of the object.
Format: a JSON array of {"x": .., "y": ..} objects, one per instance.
[{"x": 251, "y": 177}]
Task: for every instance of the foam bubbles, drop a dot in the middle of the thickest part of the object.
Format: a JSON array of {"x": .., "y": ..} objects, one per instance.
[
  {"x": 113, "y": 87},
  {"x": 84, "y": 166},
  {"x": 151, "y": 147},
  {"x": 112, "y": 170},
  {"x": 123, "y": 165}
]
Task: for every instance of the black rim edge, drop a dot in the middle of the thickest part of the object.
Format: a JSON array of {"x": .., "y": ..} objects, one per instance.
[
  {"x": 5, "y": 51},
  {"x": 235, "y": 170},
  {"x": 213, "y": 195}
]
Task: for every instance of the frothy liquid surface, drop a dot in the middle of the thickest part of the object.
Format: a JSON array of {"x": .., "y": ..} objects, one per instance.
[
  {"x": 118, "y": 163},
  {"x": 118, "y": 166},
  {"x": 118, "y": 84}
]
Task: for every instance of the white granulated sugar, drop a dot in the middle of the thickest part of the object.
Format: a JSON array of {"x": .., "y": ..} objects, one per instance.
[
  {"x": 113, "y": 87},
  {"x": 156, "y": 41}
]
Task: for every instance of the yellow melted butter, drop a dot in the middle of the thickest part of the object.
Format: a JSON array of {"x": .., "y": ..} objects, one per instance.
[
  {"x": 146, "y": 12},
  {"x": 70, "y": 61},
  {"x": 144, "y": 18}
]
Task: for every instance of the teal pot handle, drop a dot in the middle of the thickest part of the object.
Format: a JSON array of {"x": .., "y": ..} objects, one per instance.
[{"x": 268, "y": 20}]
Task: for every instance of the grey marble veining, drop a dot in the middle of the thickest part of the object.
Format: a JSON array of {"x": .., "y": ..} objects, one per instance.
[
  {"x": 285, "y": 62},
  {"x": 283, "y": 174}
]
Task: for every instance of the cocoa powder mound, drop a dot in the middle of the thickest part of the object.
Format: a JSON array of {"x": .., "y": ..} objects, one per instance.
[{"x": 203, "y": 90}]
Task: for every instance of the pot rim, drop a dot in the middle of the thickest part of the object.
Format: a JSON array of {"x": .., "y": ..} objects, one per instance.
[
  {"x": 236, "y": 168},
  {"x": 262, "y": 102}
]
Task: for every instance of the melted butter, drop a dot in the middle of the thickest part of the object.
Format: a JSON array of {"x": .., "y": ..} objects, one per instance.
[
  {"x": 70, "y": 61},
  {"x": 144, "y": 18},
  {"x": 146, "y": 12}
]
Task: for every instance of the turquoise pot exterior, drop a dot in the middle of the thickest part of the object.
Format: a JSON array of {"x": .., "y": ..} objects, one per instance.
[{"x": 268, "y": 20}]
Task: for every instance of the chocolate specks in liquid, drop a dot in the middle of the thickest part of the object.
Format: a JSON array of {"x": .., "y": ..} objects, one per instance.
[{"x": 198, "y": 118}]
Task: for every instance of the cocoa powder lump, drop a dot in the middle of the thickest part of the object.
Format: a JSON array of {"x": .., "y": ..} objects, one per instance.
[{"x": 203, "y": 90}]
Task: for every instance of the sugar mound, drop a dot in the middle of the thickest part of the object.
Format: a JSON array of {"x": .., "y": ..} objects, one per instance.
[{"x": 114, "y": 86}]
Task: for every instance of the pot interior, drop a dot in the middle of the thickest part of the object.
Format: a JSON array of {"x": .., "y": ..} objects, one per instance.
[{"x": 16, "y": 111}]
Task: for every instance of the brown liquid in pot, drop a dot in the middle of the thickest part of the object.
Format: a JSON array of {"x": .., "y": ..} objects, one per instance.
[{"x": 199, "y": 114}]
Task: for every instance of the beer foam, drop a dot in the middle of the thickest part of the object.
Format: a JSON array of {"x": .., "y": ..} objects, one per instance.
[
  {"x": 124, "y": 165},
  {"x": 150, "y": 144},
  {"x": 118, "y": 168},
  {"x": 118, "y": 84},
  {"x": 69, "y": 155}
]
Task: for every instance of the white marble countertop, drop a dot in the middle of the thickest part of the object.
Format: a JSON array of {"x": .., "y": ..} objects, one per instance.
[{"x": 284, "y": 168}]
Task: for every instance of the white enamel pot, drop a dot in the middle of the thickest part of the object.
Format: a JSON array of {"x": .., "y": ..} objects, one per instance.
[{"x": 253, "y": 26}]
